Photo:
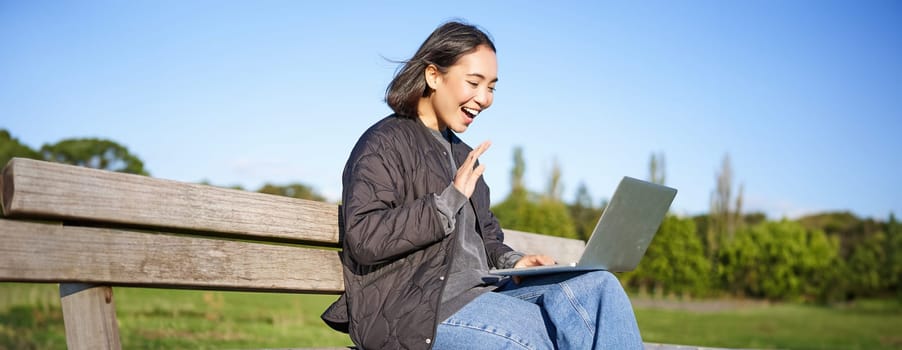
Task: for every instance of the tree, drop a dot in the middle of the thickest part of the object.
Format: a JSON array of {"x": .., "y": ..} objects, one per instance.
[
  {"x": 555, "y": 187},
  {"x": 554, "y": 218},
  {"x": 675, "y": 261},
  {"x": 657, "y": 168},
  {"x": 725, "y": 216},
  {"x": 514, "y": 211},
  {"x": 11, "y": 147},
  {"x": 850, "y": 229},
  {"x": 893, "y": 249},
  {"x": 583, "y": 213},
  {"x": 293, "y": 190},
  {"x": 525, "y": 211},
  {"x": 754, "y": 218},
  {"x": 94, "y": 153},
  {"x": 778, "y": 260},
  {"x": 518, "y": 171},
  {"x": 866, "y": 264}
]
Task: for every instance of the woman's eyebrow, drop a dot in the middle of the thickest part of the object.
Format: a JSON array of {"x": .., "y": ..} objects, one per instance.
[{"x": 480, "y": 76}]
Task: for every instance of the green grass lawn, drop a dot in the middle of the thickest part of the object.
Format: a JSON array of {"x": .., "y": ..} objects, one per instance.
[
  {"x": 30, "y": 318},
  {"x": 865, "y": 325}
]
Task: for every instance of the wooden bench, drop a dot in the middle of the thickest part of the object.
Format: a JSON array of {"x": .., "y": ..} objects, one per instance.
[{"x": 90, "y": 230}]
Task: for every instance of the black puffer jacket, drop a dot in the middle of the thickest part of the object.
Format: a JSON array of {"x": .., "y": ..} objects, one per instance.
[{"x": 395, "y": 252}]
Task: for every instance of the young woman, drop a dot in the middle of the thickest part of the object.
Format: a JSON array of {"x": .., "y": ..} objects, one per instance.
[{"x": 420, "y": 239}]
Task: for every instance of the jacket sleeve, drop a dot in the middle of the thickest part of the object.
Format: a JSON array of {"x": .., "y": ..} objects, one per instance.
[{"x": 379, "y": 225}]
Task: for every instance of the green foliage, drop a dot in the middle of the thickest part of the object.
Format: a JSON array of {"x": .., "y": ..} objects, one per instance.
[
  {"x": 893, "y": 269},
  {"x": 777, "y": 260},
  {"x": 870, "y": 252},
  {"x": 831, "y": 223},
  {"x": 819, "y": 258},
  {"x": 89, "y": 152},
  {"x": 866, "y": 264},
  {"x": 515, "y": 211},
  {"x": 293, "y": 190},
  {"x": 754, "y": 218},
  {"x": 94, "y": 153},
  {"x": 674, "y": 262},
  {"x": 846, "y": 226},
  {"x": 822, "y": 268},
  {"x": 539, "y": 215},
  {"x": 553, "y": 218},
  {"x": 525, "y": 211},
  {"x": 11, "y": 147},
  {"x": 583, "y": 213}
]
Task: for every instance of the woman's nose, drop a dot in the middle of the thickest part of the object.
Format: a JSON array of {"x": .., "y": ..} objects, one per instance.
[{"x": 483, "y": 98}]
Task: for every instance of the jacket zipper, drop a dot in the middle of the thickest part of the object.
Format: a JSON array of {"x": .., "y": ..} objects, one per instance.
[{"x": 452, "y": 241}]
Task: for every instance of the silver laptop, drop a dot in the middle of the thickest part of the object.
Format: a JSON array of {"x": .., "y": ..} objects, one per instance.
[{"x": 622, "y": 234}]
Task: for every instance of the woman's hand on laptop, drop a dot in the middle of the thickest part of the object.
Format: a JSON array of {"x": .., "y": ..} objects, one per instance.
[{"x": 532, "y": 260}]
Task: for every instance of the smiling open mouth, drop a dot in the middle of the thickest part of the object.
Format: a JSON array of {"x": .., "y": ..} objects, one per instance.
[{"x": 472, "y": 113}]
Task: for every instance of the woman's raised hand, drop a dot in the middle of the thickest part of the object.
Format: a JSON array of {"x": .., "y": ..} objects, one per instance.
[{"x": 469, "y": 173}]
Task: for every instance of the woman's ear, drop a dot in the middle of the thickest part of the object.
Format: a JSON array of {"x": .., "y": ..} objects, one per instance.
[{"x": 432, "y": 75}]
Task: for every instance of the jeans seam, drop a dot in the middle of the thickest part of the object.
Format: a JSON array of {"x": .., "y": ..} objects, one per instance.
[
  {"x": 483, "y": 329},
  {"x": 527, "y": 296},
  {"x": 577, "y": 306}
]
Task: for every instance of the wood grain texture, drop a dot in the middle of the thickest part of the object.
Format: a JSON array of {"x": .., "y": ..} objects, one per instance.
[
  {"x": 90, "y": 319},
  {"x": 563, "y": 250},
  {"x": 35, "y": 252},
  {"x": 56, "y": 191}
]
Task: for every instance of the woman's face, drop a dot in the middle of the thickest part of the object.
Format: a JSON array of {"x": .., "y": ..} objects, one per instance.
[{"x": 461, "y": 93}]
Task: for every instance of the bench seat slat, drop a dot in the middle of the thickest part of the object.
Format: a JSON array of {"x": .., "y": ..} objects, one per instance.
[
  {"x": 55, "y": 191},
  {"x": 40, "y": 252}
]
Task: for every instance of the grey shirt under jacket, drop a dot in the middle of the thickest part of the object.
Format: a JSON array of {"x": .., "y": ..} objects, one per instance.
[{"x": 469, "y": 276}]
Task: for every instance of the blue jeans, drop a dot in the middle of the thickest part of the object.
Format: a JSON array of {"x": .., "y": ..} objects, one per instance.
[{"x": 587, "y": 310}]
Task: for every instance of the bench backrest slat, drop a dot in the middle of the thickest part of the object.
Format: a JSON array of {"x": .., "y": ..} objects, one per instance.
[
  {"x": 55, "y": 191},
  {"x": 41, "y": 252}
]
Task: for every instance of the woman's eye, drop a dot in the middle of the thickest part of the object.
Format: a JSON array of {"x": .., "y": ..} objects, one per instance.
[{"x": 473, "y": 83}]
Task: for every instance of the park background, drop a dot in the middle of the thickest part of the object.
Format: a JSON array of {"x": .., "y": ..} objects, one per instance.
[{"x": 777, "y": 121}]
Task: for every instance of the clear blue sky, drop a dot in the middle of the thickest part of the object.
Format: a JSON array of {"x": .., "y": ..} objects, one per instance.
[{"x": 804, "y": 96}]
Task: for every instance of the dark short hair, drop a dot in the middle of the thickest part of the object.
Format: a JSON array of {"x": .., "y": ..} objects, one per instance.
[{"x": 442, "y": 48}]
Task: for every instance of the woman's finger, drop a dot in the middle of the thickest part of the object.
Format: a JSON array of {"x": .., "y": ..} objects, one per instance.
[
  {"x": 477, "y": 152},
  {"x": 477, "y": 172}
]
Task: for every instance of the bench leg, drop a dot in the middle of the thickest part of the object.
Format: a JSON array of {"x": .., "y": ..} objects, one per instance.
[{"x": 89, "y": 315}]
